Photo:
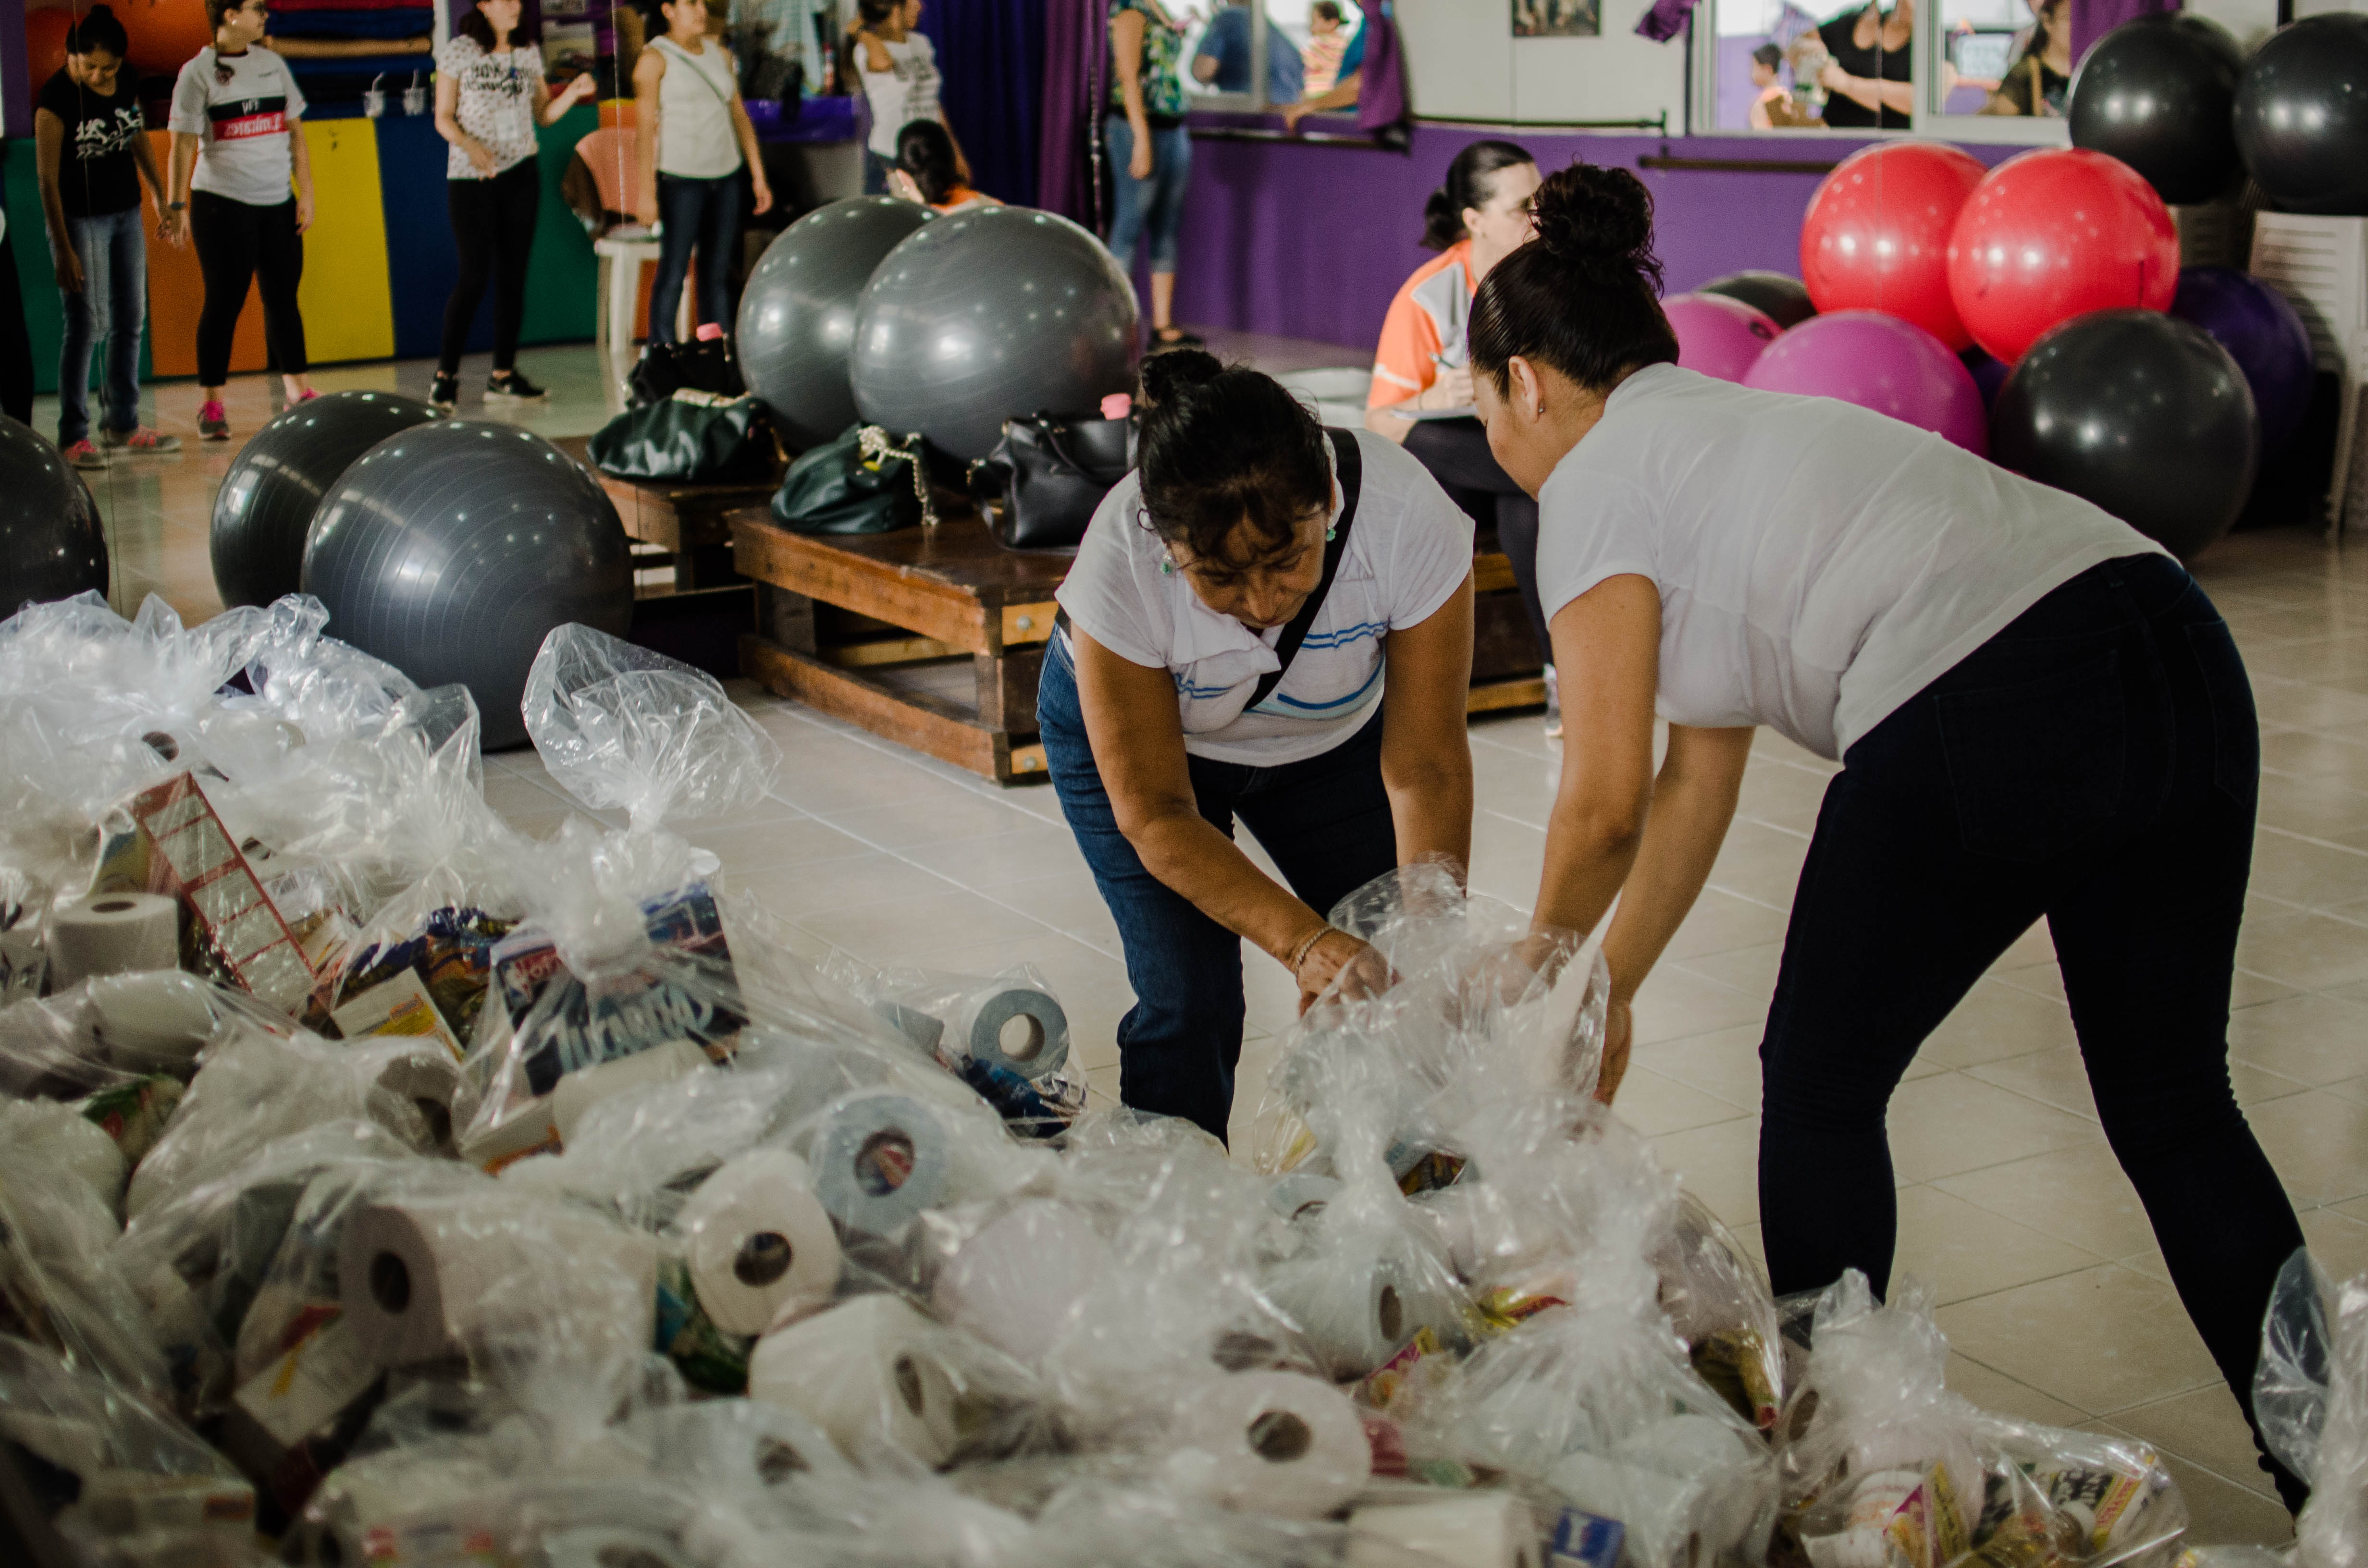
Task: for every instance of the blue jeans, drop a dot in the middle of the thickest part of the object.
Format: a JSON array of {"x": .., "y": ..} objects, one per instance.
[
  {"x": 875, "y": 173},
  {"x": 1325, "y": 822},
  {"x": 702, "y": 214},
  {"x": 112, "y": 306},
  {"x": 1154, "y": 205},
  {"x": 2096, "y": 763}
]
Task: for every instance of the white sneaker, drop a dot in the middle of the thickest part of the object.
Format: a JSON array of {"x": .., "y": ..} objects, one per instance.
[{"x": 1553, "y": 706}]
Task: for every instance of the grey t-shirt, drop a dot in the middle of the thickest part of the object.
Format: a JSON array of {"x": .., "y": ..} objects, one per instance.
[{"x": 245, "y": 107}]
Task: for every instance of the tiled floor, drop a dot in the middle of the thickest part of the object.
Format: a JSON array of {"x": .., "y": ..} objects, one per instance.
[{"x": 2052, "y": 1294}]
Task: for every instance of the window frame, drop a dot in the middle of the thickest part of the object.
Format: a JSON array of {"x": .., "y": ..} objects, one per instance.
[
  {"x": 1926, "y": 121},
  {"x": 1200, "y": 99}
]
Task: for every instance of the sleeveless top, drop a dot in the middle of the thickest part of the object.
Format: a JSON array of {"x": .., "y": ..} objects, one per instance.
[{"x": 695, "y": 139}]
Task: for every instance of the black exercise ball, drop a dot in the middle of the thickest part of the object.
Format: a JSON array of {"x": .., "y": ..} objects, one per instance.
[
  {"x": 987, "y": 315},
  {"x": 275, "y": 484},
  {"x": 2156, "y": 93},
  {"x": 797, "y": 314},
  {"x": 2302, "y": 116},
  {"x": 2141, "y": 412},
  {"x": 450, "y": 551},
  {"x": 51, "y": 546},
  {"x": 1780, "y": 297}
]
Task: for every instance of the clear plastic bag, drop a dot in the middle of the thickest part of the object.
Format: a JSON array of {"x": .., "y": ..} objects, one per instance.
[
  {"x": 2310, "y": 1395},
  {"x": 60, "y": 1283},
  {"x": 1006, "y": 1036}
]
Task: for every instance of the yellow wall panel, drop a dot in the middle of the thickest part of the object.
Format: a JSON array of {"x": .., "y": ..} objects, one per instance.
[{"x": 349, "y": 312}]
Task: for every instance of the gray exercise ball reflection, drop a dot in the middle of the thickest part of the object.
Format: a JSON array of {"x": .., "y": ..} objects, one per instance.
[
  {"x": 987, "y": 315},
  {"x": 451, "y": 550},
  {"x": 276, "y": 482},
  {"x": 50, "y": 543},
  {"x": 797, "y": 315}
]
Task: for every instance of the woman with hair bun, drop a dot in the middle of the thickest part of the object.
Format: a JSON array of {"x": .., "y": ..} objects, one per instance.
[
  {"x": 2037, "y": 712},
  {"x": 1421, "y": 396},
  {"x": 1222, "y": 648}
]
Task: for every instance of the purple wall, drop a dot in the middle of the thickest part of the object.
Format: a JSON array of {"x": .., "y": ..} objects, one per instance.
[{"x": 1313, "y": 241}]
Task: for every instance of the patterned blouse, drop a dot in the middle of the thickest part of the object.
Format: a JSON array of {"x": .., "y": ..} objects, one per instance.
[
  {"x": 496, "y": 103},
  {"x": 1163, "y": 60}
]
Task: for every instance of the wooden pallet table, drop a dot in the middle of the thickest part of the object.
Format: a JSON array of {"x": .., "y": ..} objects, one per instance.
[
  {"x": 684, "y": 529},
  {"x": 843, "y": 621}
]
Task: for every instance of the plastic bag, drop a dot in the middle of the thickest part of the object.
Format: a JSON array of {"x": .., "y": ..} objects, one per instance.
[
  {"x": 2310, "y": 1395},
  {"x": 60, "y": 1285},
  {"x": 1006, "y": 1036}
]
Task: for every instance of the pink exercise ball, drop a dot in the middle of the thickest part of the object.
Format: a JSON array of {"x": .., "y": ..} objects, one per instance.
[
  {"x": 1717, "y": 335},
  {"x": 1881, "y": 362}
]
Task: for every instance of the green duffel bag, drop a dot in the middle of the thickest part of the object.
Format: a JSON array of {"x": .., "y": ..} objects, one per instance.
[
  {"x": 862, "y": 483},
  {"x": 692, "y": 437}
]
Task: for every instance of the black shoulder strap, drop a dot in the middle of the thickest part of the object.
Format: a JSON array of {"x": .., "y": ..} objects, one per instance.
[{"x": 1352, "y": 473}]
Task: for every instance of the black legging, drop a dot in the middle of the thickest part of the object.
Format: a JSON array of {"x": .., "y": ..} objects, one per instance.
[
  {"x": 492, "y": 228},
  {"x": 238, "y": 244},
  {"x": 1456, "y": 452},
  {"x": 15, "y": 344}
]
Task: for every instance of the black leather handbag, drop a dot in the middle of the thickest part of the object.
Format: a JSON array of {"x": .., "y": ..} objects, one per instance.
[
  {"x": 664, "y": 369},
  {"x": 692, "y": 437},
  {"x": 1040, "y": 486},
  {"x": 859, "y": 483}
]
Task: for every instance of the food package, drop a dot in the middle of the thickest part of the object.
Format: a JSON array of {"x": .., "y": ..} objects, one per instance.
[{"x": 1718, "y": 1301}]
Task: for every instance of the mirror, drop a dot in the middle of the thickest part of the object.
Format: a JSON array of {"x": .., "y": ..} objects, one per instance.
[{"x": 2005, "y": 58}]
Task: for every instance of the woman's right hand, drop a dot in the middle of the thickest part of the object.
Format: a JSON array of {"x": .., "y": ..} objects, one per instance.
[
  {"x": 479, "y": 154},
  {"x": 1138, "y": 163},
  {"x": 1335, "y": 956},
  {"x": 645, "y": 209},
  {"x": 69, "y": 269},
  {"x": 1452, "y": 389}
]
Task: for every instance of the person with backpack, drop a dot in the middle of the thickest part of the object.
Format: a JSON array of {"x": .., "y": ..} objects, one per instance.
[
  {"x": 1220, "y": 651},
  {"x": 490, "y": 96},
  {"x": 90, "y": 147},
  {"x": 694, "y": 140}
]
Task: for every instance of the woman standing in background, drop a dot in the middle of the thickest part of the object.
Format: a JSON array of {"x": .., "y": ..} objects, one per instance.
[
  {"x": 1150, "y": 152},
  {"x": 489, "y": 96},
  {"x": 694, "y": 138},
  {"x": 238, "y": 142},
  {"x": 91, "y": 200}
]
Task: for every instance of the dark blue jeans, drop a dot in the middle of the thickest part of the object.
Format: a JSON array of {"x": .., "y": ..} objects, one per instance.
[
  {"x": 1325, "y": 822},
  {"x": 2096, "y": 763},
  {"x": 109, "y": 309},
  {"x": 705, "y": 214}
]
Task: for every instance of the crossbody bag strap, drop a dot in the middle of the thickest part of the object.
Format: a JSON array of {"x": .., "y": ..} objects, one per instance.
[{"x": 1286, "y": 648}]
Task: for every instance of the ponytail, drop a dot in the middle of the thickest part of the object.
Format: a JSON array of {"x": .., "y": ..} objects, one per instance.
[
  {"x": 1584, "y": 296},
  {"x": 1219, "y": 447},
  {"x": 1470, "y": 181}
]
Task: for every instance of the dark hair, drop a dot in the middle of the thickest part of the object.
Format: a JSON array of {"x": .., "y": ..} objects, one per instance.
[
  {"x": 474, "y": 26},
  {"x": 217, "y": 9},
  {"x": 654, "y": 17},
  {"x": 1584, "y": 295},
  {"x": 927, "y": 153},
  {"x": 1470, "y": 181},
  {"x": 875, "y": 12},
  {"x": 97, "y": 29},
  {"x": 1327, "y": 9},
  {"x": 1219, "y": 446},
  {"x": 1768, "y": 54}
]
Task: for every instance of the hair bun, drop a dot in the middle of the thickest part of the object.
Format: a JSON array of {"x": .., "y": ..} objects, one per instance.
[
  {"x": 1174, "y": 371},
  {"x": 1586, "y": 214},
  {"x": 89, "y": 12}
]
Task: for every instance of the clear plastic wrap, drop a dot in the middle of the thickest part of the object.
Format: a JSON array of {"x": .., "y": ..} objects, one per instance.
[
  {"x": 1718, "y": 1301},
  {"x": 1006, "y": 1036},
  {"x": 2291, "y": 1384},
  {"x": 2310, "y": 1395},
  {"x": 60, "y": 1283}
]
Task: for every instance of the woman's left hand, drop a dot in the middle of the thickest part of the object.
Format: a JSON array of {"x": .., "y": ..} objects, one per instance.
[
  {"x": 1360, "y": 970},
  {"x": 304, "y": 210},
  {"x": 580, "y": 87},
  {"x": 1619, "y": 1035},
  {"x": 764, "y": 191}
]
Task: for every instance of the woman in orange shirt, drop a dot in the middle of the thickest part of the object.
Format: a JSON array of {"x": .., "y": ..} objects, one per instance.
[{"x": 1421, "y": 396}]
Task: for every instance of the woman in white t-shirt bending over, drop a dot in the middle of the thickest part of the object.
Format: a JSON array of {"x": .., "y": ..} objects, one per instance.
[
  {"x": 2038, "y": 714},
  {"x": 1183, "y": 690},
  {"x": 238, "y": 143}
]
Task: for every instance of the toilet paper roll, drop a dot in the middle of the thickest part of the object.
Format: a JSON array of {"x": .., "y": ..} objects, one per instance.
[
  {"x": 422, "y": 1073},
  {"x": 114, "y": 933},
  {"x": 579, "y": 1091},
  {"x": 1016, "y": 1028},
  {"x": 1271, "y": 1443},
  {"x": 866, "y": 1372},
  {"x": 1352, "y": 1309},
  {"x": 758, "y": 1245},
  {"x": 153, "y": 1022},
  {"x": 1300, "y": 1195},
  {"x": 1659, "y": 1512},
  {"x": 1472, "y": 1529},
  {"x": 1018, "y": 1282},
  {"x": 426, "y": 1278},
  {"x": 880, "y": 1160}
]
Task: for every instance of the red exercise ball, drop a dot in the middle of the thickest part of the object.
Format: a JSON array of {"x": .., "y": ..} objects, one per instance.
[
  {"x": 1876, "y": 234},
  {"x": 2055, "y": 234},
  {"x": 165, "y": 34},
  {"x": 45, "y": 45}
]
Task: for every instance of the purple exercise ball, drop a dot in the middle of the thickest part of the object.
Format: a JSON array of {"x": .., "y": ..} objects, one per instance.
[
  {"x": 2263, "y": 332},
  {"x": 1717, "y": 335},
  {"x": 1881, "y": 362}
]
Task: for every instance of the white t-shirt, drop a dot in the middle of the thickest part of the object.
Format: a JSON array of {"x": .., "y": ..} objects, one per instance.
[
  {"x": 245, "y": 107},
  {"x": 1819, "y": 564},
  {"x": 904, "y": 93},
  {"x": 495, "y": 104},
  {"x": 1408, "y": 550}
]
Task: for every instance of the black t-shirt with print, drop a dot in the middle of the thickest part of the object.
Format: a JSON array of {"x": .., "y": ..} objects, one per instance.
[{"x": 95, "y": 172}]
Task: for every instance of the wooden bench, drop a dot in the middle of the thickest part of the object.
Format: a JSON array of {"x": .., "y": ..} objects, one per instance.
[{"x": 852, "y": 625}]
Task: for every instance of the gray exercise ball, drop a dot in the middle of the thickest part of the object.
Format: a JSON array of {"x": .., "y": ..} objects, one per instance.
[
  {"x": 987, "y": 315},
  {"x": 275, "y": 484},
  {"x": 797, "y": 314},
  {"x": 450, "y": 551},
  {"x": 51, "y": 546}
]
